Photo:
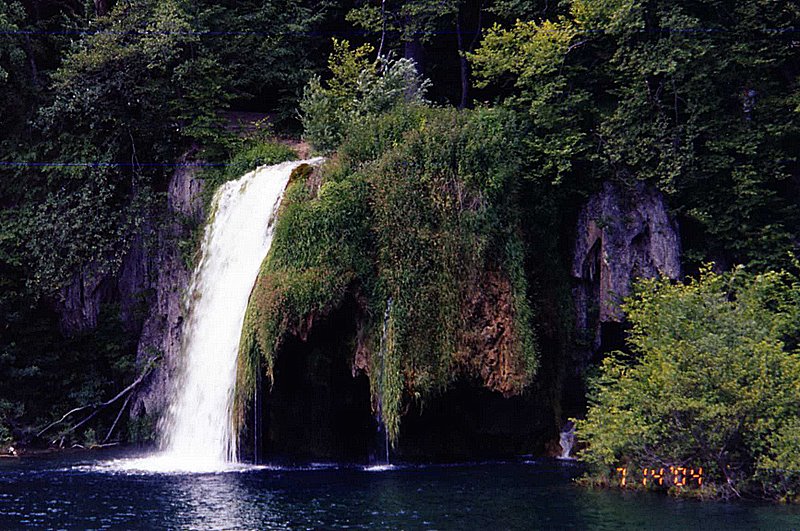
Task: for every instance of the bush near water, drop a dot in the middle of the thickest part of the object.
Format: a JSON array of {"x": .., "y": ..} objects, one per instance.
[{"x": 712, "y": 380}]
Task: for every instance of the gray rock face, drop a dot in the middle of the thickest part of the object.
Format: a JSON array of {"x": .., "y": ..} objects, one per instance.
[
  {"x": 162, "y": 330},
  {"x": 79, "y": 303},
  {"x": 622, "y": 234},
  {"x": 148, "y": 287}
]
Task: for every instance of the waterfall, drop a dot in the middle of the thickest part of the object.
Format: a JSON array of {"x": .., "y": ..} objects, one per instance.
[
  {"x": 567, "y": 440},
  {"x": 197, "y": 433}
]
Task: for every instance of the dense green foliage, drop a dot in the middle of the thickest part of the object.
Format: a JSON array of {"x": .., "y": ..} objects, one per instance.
[
  {"x": 357, "y": 90},
  {"x": 267, "y": 49},
  {"x": 712, "y": 381},
  {"x": 416, "y": 208},
  {"x": 698, "y": 98},
  {"x": 421, "y": 206}
]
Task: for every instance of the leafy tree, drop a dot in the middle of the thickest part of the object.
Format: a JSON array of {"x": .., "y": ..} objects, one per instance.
[
  {"x": 712, "y": 381},
  {"x": 696, "y": 98},
  {"x": 268, "y": 49},
  {"x": 403, "y": 23},
  {"x": 358, "y": 88},
  {"x": 128, "y": 98},
  {"x": 431, "y": 23},
  {"x": 534, "y": 55},
  {"x": 12, "y": 64}
]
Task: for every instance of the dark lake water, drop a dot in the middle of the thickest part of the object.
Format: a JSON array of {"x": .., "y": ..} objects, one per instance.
[{"x": 79, "y": 492}]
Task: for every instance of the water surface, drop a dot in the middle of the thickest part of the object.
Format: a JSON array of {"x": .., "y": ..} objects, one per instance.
[{"x": 86, "y": 492}]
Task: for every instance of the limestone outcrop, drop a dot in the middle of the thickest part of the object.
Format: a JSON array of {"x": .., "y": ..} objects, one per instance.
[
  {"x": 623, "y": 233},
  {"x": 162, "y": 330},
  {"x": 148, "y": 287}
]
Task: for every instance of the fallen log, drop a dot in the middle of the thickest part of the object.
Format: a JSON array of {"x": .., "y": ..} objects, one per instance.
[
  {"x": 119, "y": 416},
  {"x": 97, "y": 408}
]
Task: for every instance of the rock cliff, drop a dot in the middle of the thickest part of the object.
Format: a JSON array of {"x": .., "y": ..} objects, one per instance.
[
  {"x": 79, "y": 303},
  {"x": 622, "y": 233},
  {"x": 148, "y": 287},
  {"x": 162, "y": 329}
]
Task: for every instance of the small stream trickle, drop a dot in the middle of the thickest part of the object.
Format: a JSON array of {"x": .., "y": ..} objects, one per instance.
[
  {"x": 567, "y": 441},
  {"x": 381, "y": 455}
]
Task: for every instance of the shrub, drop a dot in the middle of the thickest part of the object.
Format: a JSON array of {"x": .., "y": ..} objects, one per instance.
[
  {"x": 358, "y": 88},
  {"x": 259, "y": 154},
  {"x": 713, "y": 382}
]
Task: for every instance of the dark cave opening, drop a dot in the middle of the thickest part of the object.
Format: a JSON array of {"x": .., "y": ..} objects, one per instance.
[
  {"x": 612, "y": 337},
  {"x": 469, "y": 422},
  {"x": 316, "y": 408}
]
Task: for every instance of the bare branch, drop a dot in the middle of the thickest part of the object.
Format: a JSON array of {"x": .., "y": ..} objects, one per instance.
[
  {"x": 116, "y": 420},
  {"x": 98, "y": 407}
]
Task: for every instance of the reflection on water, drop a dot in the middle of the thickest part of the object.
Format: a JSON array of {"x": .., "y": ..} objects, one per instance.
[
  {"x": 219, "y": 502},
  {"x": 379, "y": 468},
  {"x": 72, "y": 492}
]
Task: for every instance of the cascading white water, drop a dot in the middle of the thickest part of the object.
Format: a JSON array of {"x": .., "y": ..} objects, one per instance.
[
  {"x": 567, "y": 441},
  {"x": 197, "y": 433}
]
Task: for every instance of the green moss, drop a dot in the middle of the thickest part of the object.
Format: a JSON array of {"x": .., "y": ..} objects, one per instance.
[
  {"x": 409, "y": 212},
  {"x": 317, "y": 253},
  {"x": 259, "y": 154},
  {"x": 523, "y": 313},
  {"x": 301, "y": 173}
]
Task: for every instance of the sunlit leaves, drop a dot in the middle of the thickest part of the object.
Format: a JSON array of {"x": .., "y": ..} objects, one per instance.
[
  {"x": 358, "y": 88},
  {"x": 713, "y": 380},
  {"x": 11, "y": 54},
  {"x": 605, "y": 15}
]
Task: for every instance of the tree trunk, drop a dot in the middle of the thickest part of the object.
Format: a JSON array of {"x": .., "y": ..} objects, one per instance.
[
  {"x": 463, "y": 65},
  {"x": 412, "y": 48},
  {"x": 101, "y": 7},
  {"x": 463, "y": 50},
  {"x": 32, "y": 62},
  {"x": 383, "y": 28}
]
